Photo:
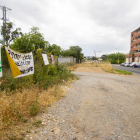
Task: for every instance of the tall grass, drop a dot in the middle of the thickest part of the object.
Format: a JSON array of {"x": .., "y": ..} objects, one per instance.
[
  {"x": 19, "y": 107},
  {"x": 22, "y": 98}
]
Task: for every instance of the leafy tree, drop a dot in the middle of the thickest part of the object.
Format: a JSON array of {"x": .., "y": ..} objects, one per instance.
[
  {"x": 74, "y": 51},
  {"x": 8, "y": 34},
  {"x": 104, "y": 57},
  {"x": 113, "y": 58},
  {"x": 54, "y": 49},
  {"x": 29, "y": 41}
]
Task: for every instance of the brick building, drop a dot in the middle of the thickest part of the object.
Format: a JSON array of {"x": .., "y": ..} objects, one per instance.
[{"x": 134, "y": 55}]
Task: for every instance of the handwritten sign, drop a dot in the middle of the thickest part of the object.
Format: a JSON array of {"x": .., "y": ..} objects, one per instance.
[
  {"x": 45, "y": 59},
  {"x": 21, "y": 63}
]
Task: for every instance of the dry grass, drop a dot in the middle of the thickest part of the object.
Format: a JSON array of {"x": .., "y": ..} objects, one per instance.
[
  {"x": 17, "y": 109},
  {"x": 90, "y": 66},
  {"x": 107, "y": 67}
]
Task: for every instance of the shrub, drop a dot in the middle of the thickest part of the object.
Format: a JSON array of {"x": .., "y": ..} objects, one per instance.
[{"x": 34, "y": 108}]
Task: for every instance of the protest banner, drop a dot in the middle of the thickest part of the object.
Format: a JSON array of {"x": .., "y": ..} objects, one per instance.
[
  {"x": 21, "y": 63},
  {"x": 45, "y": 58},
  {"x": 0, "y": 64},
  {"x": 52, "y": 59}
]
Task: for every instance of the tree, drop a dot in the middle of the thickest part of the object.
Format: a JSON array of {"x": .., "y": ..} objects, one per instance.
[
  {"x": 74, "y": 51},
  {"x": 54, "y": 49},
  {"x": 104, "y": 57},
  {"x": 8, "y": 34},
  {"x": 29, "y": 41},
  {"x": 113, "y": 58},
  {"x": 94, "y": 58}
]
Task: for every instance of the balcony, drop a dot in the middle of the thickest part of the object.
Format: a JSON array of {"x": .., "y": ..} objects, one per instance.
[
  {"x": 135, "y": 48},
  {"x": 136, "y": 54},
  {"x": 135, "y": 42},
  {"x": 136, "y": 34}
]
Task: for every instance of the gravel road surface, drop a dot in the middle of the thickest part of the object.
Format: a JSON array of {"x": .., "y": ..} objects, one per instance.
[{"x": 98, "y": 106}]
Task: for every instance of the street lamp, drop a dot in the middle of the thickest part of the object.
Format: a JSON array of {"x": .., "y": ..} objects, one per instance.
[{"x": 118, "y": 55}]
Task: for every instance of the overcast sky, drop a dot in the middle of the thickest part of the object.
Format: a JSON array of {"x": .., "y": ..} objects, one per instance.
[{"x": 100, "y": 25}]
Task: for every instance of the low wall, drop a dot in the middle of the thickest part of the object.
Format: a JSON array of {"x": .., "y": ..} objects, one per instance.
[{"x": 65, "y": 60}]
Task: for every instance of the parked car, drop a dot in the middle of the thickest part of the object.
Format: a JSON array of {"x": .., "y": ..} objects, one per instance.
[
  {"x": 122, "y": 64},
  {"x": 135, "y": 64},
  {"x": 131, "y": 65},
  {"x": 127, "y": 64}
]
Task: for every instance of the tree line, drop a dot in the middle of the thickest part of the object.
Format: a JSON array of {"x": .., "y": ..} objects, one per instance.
[
  {"x": 32, "y": 41},
  {"x": 114, "y": 58}
]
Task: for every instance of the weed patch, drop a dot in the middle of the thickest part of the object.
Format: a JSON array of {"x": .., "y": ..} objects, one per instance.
[
  {"x": 37, "y": 123},
  {"x": 123, "y": 72},
  {"x": 34, "y": 108}
]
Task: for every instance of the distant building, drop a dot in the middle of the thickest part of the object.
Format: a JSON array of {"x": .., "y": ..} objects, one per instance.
[{"x": 134, "y": 55}]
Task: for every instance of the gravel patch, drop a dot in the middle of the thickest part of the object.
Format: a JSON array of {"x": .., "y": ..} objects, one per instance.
[{"x": 99, "y": 106}]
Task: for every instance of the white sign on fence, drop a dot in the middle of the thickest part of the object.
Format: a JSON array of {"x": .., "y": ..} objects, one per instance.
[
  {"x": 45, "y": 59},
  {"x": 21, "y": 63}
]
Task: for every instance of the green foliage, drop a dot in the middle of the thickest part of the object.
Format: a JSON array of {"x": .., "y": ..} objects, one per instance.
[
  {"x": 66, "y": 53},
  {"x": 34, "y": 108},
  {"x": 4, "y": 59},
  {"x": 113, "y": 58},
  {"x": 54, "y": 49},
  {"x": 123, "y": 72},
  {"x": 29, "y": 41},
  {"x": 104, "y": 57},
  {"x": 12, "y": 137},
  {"x": 11, "y": 84},
  {"x": 37, "y": 123},
  {"x": 8, "y": 34},
  {"x": 74, "y": 51},
  {"x": 44, "y": 76}
]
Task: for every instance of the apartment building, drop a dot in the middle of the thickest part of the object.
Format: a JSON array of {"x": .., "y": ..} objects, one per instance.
[{"x": 134, "y": 55}]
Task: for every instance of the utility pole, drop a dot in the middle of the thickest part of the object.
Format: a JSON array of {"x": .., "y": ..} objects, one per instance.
[
  {"x": 4, "y": 9},
  {"x": 95, "y": 53},
  {"x": 118, "y": 55}
]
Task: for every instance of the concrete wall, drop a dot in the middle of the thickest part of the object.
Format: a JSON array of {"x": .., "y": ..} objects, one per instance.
[{"x": 66, "y": 59}]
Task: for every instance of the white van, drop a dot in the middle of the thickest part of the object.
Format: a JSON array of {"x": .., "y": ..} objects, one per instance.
[{"x": 135, "y": 64}]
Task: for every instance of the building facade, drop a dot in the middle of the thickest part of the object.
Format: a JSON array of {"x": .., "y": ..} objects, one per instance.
[{"x": 134, "y": 55}]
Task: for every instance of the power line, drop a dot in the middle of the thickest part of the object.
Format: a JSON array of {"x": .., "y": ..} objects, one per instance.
[{"x": 122, "y": 35}]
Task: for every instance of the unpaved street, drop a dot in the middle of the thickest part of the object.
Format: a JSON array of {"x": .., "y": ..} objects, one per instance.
[{"x": 98, "y": 106}]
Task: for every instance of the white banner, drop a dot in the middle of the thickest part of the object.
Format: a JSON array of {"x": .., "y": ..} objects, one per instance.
[
  {"x": 21, "y": 63},
  {"x": 0, "y": 64},
  {"x": 45, "y": 59}
]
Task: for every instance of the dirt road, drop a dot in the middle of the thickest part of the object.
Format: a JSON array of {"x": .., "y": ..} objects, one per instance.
[{"x": 99, "y": 106}]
